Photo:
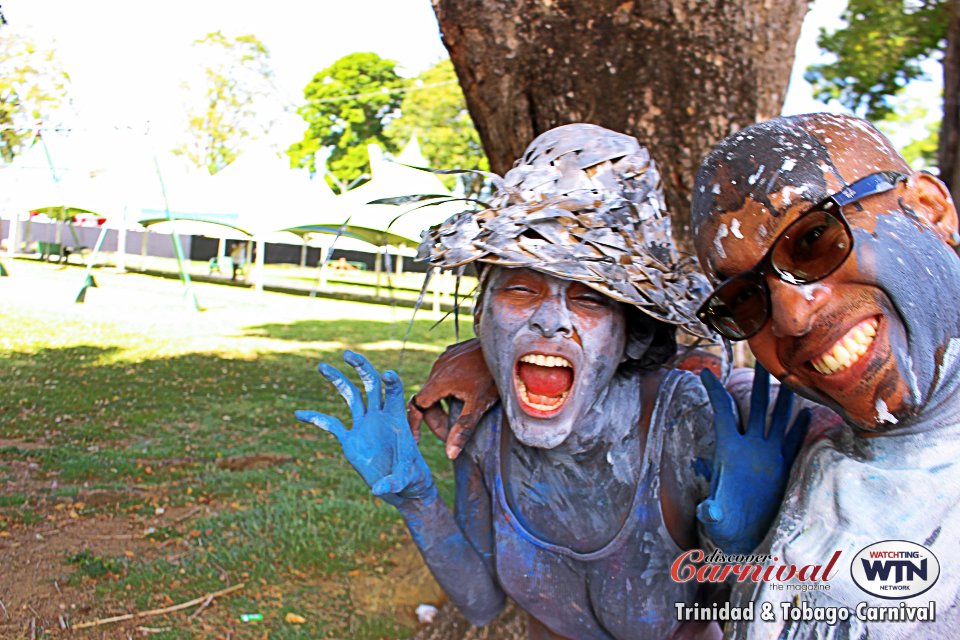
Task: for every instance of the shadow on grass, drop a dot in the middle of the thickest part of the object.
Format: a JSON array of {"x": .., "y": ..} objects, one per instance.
[
  {"x": 173, "y": 407},
  {"x": 419, "y": 333}
]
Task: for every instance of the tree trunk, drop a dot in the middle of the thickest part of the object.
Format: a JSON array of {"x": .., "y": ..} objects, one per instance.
[
  {"x": 950, "y": 125},
  {"x": 677, "y": 74}
]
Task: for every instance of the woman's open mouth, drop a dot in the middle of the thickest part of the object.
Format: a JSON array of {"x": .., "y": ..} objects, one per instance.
[{"x": 543, "y": 383}]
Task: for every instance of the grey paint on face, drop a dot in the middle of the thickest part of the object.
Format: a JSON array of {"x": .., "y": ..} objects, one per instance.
[
  {"x": 920, "y": 275},
  {"x": 551, "y": 327},
  {"x": 917, "y": 277}
]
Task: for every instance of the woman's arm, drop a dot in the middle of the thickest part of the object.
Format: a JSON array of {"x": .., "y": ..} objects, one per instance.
[
  {"x": 382, "y": 450},
  {"x": 464, "y": 574}
]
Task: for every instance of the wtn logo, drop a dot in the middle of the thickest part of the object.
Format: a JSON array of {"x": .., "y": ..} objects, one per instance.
[
  {"x": 895, "y": 569},
  {"x": 903, "y": 569}
]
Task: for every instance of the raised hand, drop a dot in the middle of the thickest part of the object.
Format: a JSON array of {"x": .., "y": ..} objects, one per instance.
[
  {"x": 750, "y": 469},
  {"x": 379, "y": 446},
  {"x": 460, "y": 372}
]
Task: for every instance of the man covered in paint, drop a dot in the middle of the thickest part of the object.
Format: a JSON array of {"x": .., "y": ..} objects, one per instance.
[
  {"x": 836, "y": 262},
  {"x": 579, "y": 489}
]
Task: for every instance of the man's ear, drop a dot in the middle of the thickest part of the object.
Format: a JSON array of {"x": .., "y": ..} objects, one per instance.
[{"x": 930, "y": 199}]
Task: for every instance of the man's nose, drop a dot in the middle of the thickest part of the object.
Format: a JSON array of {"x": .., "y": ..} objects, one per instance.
[
  {"x": 552, "y": 317},
  {"x": 793, "y": 307}
]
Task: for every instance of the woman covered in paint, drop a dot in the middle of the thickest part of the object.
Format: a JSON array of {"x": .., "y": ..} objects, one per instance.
[{"x": 579, "y": 489}]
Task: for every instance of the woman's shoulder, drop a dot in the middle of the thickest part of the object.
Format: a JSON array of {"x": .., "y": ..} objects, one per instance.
[{"x": 484, "y": 440}]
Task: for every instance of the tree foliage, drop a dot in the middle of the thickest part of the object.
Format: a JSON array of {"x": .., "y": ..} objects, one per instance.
[
  {"x": 915, "y": 116},
  {"x": 231, "y": 102},
  {"x": 435, "y": 111},
  {"x": 348, "y": 106},
  {"x": 33, "y": 87},
  {"x": 878, "y": 52}
]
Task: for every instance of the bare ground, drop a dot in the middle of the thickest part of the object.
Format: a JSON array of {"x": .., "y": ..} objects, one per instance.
[{"x": 42, "y": 594}]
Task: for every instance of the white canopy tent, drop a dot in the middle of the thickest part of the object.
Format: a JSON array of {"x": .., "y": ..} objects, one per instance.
[
  {"x": 387, "y": 226},
  {"x": 258, "y": 197}
]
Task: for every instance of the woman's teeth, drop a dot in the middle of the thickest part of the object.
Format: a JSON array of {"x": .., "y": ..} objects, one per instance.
[
  {"x": 540, "y": 403},
  {"x": 534, "y": 400},
  {"x": 847, "y": 349},
  {"x": 546, "y": 361}
]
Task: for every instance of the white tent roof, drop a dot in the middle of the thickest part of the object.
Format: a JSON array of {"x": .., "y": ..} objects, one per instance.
[
  {"x": 54, "y": 174},
  {"x": 390, "y": 224},
  {"x": 258, "y": 195},
  {"x": 268, "y": 195}
]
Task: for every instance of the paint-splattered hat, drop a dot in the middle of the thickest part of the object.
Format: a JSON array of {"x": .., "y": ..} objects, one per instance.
[{"x": 583, "y": 203}]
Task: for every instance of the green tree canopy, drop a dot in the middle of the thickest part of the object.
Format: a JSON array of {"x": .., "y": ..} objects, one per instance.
[
  {"x": 878, "y": 52},
  {"x": 33, "y": 87},
  {"x": 917, "y": 117},
  {"x": 434, "y": 109},
  {"x": 231, "y": 102},
  {"x": 348, "y": 106}
]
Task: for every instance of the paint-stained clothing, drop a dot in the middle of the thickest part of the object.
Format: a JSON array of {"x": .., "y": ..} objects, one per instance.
[
  {"x": 850, "y": 493},
  {"x": 623, "y": 588}
]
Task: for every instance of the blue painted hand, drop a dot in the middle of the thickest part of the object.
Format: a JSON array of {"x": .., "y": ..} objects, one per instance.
[
  {"x": 379, "y": 446},
  {"x": 750, "y": 469}
]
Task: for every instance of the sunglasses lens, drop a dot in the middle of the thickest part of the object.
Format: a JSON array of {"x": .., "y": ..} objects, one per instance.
[
  {"x": 738, "y": 309},
  {"x": 811, "y": 248}
]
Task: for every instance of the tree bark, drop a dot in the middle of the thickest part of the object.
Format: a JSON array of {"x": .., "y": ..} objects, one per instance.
[
  {"x": 950, "y": 125},
  {"x": 677, "y": 74}
]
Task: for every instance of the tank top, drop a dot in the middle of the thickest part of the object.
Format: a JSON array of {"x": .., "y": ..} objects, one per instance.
[{"x": 621, "y": 590}]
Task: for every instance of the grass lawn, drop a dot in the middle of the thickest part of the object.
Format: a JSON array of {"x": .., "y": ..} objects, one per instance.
[{"x": 149, "y": 456}]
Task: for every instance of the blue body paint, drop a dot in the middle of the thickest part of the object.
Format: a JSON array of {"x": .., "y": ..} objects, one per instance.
[{"x": 750, "y": 470}]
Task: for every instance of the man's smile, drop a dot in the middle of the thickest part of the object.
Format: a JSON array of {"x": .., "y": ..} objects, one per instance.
[
  {"x": 543, "y": 383},
  {"x": 848, "y": 349}
]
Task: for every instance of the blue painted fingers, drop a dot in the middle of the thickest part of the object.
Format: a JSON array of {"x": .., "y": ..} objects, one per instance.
[
  {"x": 379, "y": 446},
  {"x": 750, "y": 468}
]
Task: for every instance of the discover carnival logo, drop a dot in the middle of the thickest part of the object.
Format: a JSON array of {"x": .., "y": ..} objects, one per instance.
[
  {"x": 717, "y": 566},
  {"x": 895, "y": 569}
]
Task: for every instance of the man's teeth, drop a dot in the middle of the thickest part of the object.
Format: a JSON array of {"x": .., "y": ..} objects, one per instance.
[
  {"x": 847, "y": 349},
  {"x": 541, "y": 403},
  {"x": 546, "y": 361}
]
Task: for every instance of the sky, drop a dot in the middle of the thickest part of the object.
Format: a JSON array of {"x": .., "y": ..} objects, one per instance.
[{"x": 127, "y": 58}]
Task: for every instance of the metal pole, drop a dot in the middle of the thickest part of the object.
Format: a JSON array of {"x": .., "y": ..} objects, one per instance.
[
  {"x": 88, "y": 280},
  {"x": 121, "y": 258},
  {"x": 177, "y": 249},
  {"x": 13, "y": 234},
  {"x": 324, "y": 252},
  {"x": 258, "y": 265}
]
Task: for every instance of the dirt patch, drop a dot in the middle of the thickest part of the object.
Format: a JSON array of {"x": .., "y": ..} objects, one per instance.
[
  {"x": 37, "y": 590},
  {"x": 41, "y": 589},
  {"x": 408, "y": 583},
  {"x": 511, "y": 624},
  {"x": 254, "y": 461},
  {"x": 15, "y": 443},
  {"x": 398, "y": 590}
]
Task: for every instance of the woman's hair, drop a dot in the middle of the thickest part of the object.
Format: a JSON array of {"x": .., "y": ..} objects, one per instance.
[{"x": 651, "y": 343}]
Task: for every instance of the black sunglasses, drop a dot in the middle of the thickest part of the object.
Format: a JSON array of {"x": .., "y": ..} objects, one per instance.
[{"x": 811, "y": 248}]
